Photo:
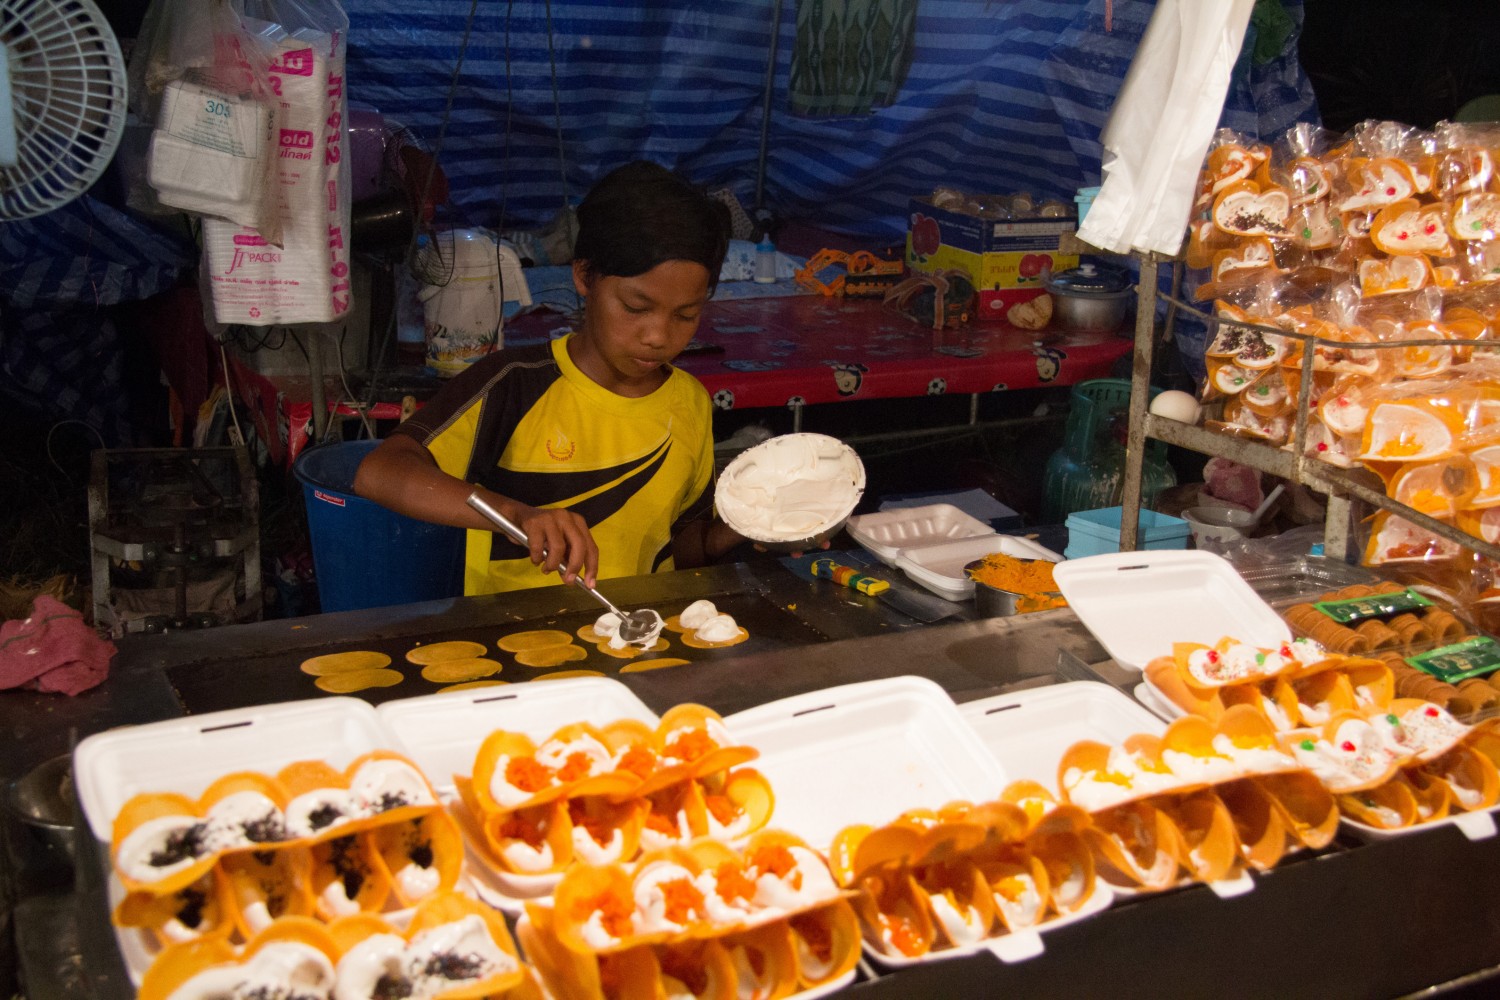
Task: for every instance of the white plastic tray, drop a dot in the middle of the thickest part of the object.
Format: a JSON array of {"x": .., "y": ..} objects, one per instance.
[
  {"x": 1028, "y": 731},
  {"x": 442, "y": 733},
  {"x": 940, "y": 568},
  {"x": 887, "y": 532},
  {"x": 1137, "y": 604},
  {"x": 187, "y": 755},
  {"x": 864, "y": 753}
]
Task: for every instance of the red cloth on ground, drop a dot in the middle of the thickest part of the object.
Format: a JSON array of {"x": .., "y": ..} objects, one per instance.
[{"x": 52, "y": 650}]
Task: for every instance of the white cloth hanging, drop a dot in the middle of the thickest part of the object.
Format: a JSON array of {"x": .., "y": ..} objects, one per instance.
[{"x": 1162, "y": 123}]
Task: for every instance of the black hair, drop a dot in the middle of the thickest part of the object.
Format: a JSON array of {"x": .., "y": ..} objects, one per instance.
[{"x": 641, "y": 215}]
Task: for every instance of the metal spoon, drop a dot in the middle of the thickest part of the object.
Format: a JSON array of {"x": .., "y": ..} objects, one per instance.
[{"x": 634, "y": 625}]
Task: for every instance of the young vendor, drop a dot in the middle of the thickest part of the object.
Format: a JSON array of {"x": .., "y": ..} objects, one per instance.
[{"x": 593, "y": 443}]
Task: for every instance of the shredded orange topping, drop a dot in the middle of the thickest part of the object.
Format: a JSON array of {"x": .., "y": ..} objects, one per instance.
[
  {"x": 638, "y": 761},
  {"x": 683, "y": 900},
  {"x": 527, "y": 775},
  {"x": 575, "y": 768},
  {"x": 518, "y": 827},
  {"x": 774, "y": 860},
  {"x": 691, "y": 745},
  {"x": 662, "y": 823},
  {"x": 732, "y": 883},
  {"x": 1032, "y": 579},
  {"x": 615, "y": 913},
  {"x": 723, "y": 810},
  {"x": 902, "y": 935}
]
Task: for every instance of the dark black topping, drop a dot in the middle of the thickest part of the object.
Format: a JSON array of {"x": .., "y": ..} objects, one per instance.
[
  {"x": 190, "y": 914},
  {"x": 421, "y": 855},
  {"x": 324, "y": 815},
  {"x": 266, "y": 830},
  {"x": 454, "y": 966},
  {"x": 346, "y": 867},
  {"x": 391, "y": 800},
  {"x": 184, "y": 843},
  {"x": 1230, "y": 340},
  {"x": 391, "y": 988},
  {"x": 1256, "y": 348},
  {"x": 1244, "y": 222},
  {"x": 264, "y": 858}
]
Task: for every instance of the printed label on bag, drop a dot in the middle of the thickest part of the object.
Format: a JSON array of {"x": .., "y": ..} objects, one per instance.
[
  {"x": 336, "y": 501},
  {"x": 1460, "y": 661},
  {"x": 213, "y": 119},
  {"x": 1358, "y": 609}
]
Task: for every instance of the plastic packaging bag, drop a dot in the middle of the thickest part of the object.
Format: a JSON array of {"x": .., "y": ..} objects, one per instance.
[
  {"x": 202, "y": 79},
  {"x": 306, "y": 279}
]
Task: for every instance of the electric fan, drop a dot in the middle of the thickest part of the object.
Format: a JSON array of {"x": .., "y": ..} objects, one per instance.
[{"x": 62, "y": 102}]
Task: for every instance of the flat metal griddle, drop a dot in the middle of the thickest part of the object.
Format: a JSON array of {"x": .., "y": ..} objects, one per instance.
[{"x": 215, "y": 685}]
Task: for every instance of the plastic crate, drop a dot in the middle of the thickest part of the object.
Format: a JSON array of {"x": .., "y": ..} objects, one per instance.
[{"x": 1091, "y": 532}]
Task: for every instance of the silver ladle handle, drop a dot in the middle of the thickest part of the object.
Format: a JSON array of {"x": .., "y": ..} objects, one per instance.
[{"x": 513, "y": 529}]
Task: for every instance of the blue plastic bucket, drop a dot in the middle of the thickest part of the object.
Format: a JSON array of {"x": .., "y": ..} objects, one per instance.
[{"x": 365, "y": 555}]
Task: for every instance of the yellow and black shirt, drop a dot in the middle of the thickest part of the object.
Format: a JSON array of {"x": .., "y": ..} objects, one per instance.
[{"x": 528, "y": 424}]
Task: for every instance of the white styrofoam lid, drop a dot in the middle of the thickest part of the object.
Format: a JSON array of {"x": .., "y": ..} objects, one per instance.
[
  {"x": 1137, "y": 604},
  {"x": 1028, "y": 731},
  {"x": 940, "y": 568},
  {"x": 864, "y": 753},
  {"x": 187, "y": 755},
  {"x": 888, "y": 532},
  {"x": 442, "y": 732}
]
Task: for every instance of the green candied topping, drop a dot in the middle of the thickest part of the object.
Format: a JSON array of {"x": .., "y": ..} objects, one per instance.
[
  {"x": 1260, "y": 659},
  {"x": 1392, "y": 719},
  {"x": 1478, "y": 224},
  {"x": 1307, "y": 233},
  {"x": 1307, "y": 745}
]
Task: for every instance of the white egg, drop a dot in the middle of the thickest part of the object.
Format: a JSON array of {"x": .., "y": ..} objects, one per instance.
[{"x": 1175, "y": 405}]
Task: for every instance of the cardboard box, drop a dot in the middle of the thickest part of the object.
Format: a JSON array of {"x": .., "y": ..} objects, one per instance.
[{"x": 1006, "y": 259}]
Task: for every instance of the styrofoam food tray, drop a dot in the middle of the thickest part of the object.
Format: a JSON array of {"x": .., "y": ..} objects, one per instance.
[
  {"x": 1137, "y": 604},
  {"x": 886, "y": 533},
  {"x": 1474, "y": 825},
  {"x": 187, "y": 755},
  {"x": 812, "y": 994},
  {"x": 1028, "y": 731},
  {"x": 442, "y": 733},
  {"x": 866, "y": 753},
  {"x": 940, "y": 568}
]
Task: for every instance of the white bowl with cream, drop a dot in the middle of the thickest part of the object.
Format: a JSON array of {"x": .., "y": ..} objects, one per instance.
[{"x": 791, "y": 492}]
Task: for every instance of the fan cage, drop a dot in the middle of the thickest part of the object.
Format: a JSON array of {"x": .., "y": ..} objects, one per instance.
[{"x": 67, "y": 84}]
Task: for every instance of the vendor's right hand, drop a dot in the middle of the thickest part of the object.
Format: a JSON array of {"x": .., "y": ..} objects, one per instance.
[{"x": 560, "y": 542}]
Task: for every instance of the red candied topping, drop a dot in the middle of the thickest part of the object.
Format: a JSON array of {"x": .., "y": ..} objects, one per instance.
[
  {"x": 1431, "y": 712},
  {"x": 1322, "y": 446},
  {"x": 1402, "y": 235},
  {"x": 1431, "y": 228},
  {"x": 1347, "y": 746},
  {"x": 1390, "y": 191},
  {"x": 1286, "y": 650},
  {"x": 1213, "y": 656},
  {"x": 527, "y": 775}
]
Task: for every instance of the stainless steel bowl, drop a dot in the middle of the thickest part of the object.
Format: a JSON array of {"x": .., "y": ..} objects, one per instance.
[{"x": 41, "y": 803}]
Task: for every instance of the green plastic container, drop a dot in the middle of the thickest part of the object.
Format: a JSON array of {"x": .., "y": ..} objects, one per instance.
[{"x": 1088, "y": 471}]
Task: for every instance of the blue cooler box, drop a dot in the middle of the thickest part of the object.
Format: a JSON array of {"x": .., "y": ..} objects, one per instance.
[{"x": 1092, "y": 532}]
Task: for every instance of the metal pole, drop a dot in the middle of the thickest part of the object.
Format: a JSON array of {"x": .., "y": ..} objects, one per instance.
[
  {"x": 1140, "y": 398},
  {"x": 765, "y": 110}
]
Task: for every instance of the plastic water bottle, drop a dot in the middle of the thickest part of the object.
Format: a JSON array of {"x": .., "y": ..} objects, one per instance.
[{"x": 765, "y": 261}]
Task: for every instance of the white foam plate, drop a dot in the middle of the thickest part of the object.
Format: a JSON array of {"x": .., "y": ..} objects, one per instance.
[
  {"x": 886, "y": 533},
  {"x": 1028, "y": 731},
  {"x": 1137, "y": 604},
  {"x": 865, "y": 753},
  {"x": 940, "y": 567},
  {"x": 442, "y": 733},
  {"x": 1474, "y": 825},
  {"x": 187, "y": 755}
]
